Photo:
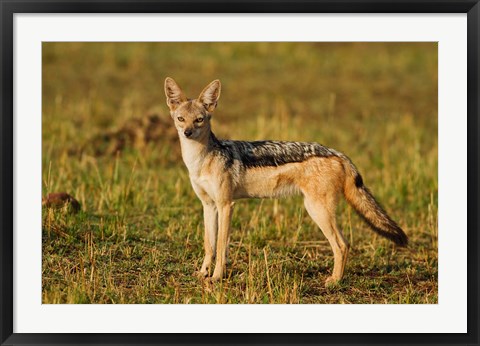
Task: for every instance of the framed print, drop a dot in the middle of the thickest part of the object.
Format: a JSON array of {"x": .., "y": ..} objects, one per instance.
[{"x": 271, "y": 172}]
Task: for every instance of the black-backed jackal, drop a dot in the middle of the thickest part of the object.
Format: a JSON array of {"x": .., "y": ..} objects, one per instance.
[{"x": 224, "y": 170}]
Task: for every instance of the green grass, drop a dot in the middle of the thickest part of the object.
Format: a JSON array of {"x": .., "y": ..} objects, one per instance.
[{"x": 138, "y": 237}]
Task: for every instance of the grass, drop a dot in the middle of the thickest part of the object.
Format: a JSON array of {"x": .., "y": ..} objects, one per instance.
[{"x": 138, "y": 237}]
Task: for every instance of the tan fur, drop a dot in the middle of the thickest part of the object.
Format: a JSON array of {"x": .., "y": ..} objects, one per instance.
[{"x": 321, "y": 180}]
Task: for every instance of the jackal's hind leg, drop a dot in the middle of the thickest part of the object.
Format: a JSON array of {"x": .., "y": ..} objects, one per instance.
[{"x": 323, "y": 213}]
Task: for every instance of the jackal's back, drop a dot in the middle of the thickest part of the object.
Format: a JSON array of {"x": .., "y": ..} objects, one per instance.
[{"x": 257, "y": 154}]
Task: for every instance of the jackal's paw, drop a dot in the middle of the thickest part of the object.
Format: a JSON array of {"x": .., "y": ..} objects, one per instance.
[
  {"x": 215, "y": 278},
  {"x": 332, "y": 281},
  {"x": 201, "y": 274}
]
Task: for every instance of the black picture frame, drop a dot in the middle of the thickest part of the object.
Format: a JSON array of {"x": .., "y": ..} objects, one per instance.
[{"x": 9, "y": 8}]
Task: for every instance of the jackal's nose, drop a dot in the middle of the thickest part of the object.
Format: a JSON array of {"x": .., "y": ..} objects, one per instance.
[{"x": 188, "y": 133}]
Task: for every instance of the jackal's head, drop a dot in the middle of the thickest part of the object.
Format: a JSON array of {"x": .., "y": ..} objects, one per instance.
[{"x": 192, "y": 117}]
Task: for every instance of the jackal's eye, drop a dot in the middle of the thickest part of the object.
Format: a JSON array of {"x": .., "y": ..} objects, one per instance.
[
  {"x": 181, "y": 119},
  {"x": 199, "y": 120}
]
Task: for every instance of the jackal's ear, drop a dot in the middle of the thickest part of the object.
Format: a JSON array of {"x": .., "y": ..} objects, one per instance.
[
  {"x": 210, "y": 95},
  {"x": 174, "y": 94}
]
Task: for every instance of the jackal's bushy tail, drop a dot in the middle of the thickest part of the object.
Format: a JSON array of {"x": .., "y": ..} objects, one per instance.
[{"x": 362, "y": 200}]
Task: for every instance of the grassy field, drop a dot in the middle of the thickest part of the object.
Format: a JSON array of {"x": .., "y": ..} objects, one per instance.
[{"x": 108, "y": 141}]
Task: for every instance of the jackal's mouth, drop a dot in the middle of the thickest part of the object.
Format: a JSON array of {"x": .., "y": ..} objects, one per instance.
[{"x": 188, "y": 134}]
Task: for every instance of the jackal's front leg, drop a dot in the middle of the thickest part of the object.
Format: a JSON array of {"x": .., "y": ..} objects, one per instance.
[
  {"x": 210, "y": 218},
  {"x": 224, "y": 219}
]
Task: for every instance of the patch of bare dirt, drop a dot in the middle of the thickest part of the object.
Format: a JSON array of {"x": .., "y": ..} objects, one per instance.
[{"x": 61, "y": 200}]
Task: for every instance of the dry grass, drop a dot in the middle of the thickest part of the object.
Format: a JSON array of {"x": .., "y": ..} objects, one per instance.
[{"x": 138, "y": 237}]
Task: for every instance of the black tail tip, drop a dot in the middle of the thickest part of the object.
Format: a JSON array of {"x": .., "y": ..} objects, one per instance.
[{"x": 400, "y": 239}]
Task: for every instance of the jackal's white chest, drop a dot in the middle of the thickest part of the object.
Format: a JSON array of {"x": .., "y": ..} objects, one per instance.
[
  {"x": 203, "y": 185},
  {"x": 200, "y": 173}
]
